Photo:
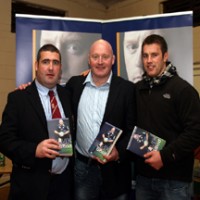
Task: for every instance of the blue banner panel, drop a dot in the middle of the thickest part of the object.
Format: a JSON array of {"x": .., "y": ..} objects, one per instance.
[{"x": 74, "y": 36}]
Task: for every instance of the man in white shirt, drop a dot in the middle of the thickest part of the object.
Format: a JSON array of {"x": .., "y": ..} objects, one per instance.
[{"x": 97, "y": 98}]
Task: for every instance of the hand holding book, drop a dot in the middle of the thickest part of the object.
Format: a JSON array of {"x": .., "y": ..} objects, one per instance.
[
  {"x": 103, "y": 146},
  {"x": 153, "y": 158},
  {"x": 147, "y": 145},
  {"x": 60, "y": 131},
  {"x": 143, "y": 141},
  {"x": 113, "y": 156}
]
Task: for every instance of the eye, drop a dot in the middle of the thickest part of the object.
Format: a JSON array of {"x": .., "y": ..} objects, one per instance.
[
  {"x": 154, "y": 55},
  {"x": 95, "y": 57},
  {"x": 105, "y": 57},
  {"x": 56, "y": 62},
  {"x": 75, "y": 48},
  {"x": 132, "y": 47},
  {"x": 48, "y": 61},
  {"x": 45, "y": 61},
  {"x": 144, "y": 56}
]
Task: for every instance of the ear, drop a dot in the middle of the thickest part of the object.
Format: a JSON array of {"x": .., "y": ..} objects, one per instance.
[
  {"x": 166, "y": 56},
  {"x": 36, "y": 66},
  {"x": 113, "y": 59}
]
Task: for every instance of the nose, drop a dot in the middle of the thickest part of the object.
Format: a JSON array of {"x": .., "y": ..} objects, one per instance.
[
  {"x": 50, "y": 65},
  {"x": 149, "y": 59},
  {"x": 100, "y": 60}
]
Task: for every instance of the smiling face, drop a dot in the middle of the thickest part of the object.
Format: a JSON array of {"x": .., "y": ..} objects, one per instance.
[
  {"x": 48, "y": 69},
  {"x": 154, "y": 61},
  {"x": 101, "y": 59}
]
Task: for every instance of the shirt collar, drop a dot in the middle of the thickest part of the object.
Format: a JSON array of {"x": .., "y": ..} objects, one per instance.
[
  {"x": 90, "y": 80},
  {"x": 44, "y": 90}
]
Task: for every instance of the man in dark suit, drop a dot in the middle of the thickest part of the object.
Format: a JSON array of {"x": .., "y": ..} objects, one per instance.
[
  {"x": 38, "y": 171},
  {"x": 97, "y": 98}
]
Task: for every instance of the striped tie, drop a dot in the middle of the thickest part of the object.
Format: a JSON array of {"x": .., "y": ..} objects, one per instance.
[{"x": 54, "y": 106}]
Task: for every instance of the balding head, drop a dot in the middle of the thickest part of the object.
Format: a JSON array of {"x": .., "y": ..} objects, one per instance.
[{"x": 101, "y": 42}]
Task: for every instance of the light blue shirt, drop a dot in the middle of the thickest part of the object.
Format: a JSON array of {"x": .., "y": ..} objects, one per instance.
[
  {"x": 58, "y": 164},
  {"x": 91, "y": 110}
]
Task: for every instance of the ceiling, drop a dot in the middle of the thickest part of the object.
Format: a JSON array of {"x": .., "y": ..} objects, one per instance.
[{"x": 108, "y": 3}]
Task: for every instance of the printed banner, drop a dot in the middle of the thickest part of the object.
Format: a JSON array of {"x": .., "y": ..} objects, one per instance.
[{"x": 74, "y": 36}]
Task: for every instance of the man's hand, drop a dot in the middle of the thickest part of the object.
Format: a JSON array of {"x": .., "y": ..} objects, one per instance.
[
  {"x": 23, "y": 86},
  {"x": 47, "y": 149},
  {"x": 86, "y": 72},
  {"x": 153, "y": 158},
  {"x": 113, "y": 156}
]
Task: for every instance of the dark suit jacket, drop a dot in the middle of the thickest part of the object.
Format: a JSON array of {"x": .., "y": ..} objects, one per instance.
[
  {"x": 120, "y": 111},
  {"x": 23, "y": 127}
]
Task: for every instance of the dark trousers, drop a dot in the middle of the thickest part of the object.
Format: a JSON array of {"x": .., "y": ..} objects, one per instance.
[
  {"x": 88, "y": 181},
  {"x": 61, "y": 186}
]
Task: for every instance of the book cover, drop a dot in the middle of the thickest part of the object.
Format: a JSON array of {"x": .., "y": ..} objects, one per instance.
[
  {"x": 60, "y": 131},
  {"x": 142, "y": 141},
  {"x": 105, "y": 140}
]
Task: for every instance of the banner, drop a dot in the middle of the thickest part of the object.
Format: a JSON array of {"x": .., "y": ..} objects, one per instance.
[{"x": 74, "y": 36}]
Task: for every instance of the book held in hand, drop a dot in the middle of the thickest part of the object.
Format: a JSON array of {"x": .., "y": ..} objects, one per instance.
[
  {"x": 105, "y": 140},
  {"x": 142, "y": 141},
  {"x": 60, "y": 131}
]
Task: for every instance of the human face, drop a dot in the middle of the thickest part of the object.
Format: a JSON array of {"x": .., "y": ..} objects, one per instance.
[
  {"x": 154, "y": 61},
  {"x": 132, "y": 53},
  {"x": 101, "y": 59},
  {"x": 48, "y": 69},
  {"x": 74, "y": 47}
]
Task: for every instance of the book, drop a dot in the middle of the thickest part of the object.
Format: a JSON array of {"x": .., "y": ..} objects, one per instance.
[
  {"x": 59, "y": 130},
  {"x": 142, "y": 141},
  {"x": 105, "y": 140}
]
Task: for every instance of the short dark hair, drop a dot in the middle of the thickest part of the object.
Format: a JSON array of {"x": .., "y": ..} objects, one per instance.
[
  {"x": 48, "y": 47},
  {"x": 152, "y": 39}
]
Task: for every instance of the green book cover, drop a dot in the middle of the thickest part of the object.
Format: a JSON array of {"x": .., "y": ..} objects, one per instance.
[
  {"x": 59, "y": 130},
  {"x": 105, "y": 140},
  {"x": 142, "y": 141}
]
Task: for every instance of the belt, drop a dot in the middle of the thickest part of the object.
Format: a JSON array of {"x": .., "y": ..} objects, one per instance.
[{"x": 85, "y": 159}]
